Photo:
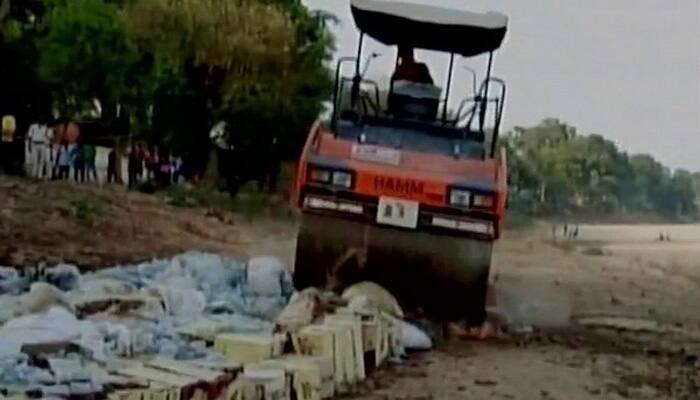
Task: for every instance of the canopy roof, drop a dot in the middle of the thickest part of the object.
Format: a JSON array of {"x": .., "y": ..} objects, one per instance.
[{"x": 431, "y": 28}]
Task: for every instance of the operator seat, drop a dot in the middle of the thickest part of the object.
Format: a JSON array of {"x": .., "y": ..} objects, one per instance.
[{"x": 414, "y": 100}]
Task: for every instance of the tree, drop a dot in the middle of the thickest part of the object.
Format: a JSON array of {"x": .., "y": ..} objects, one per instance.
[
  {"x": 555, "y": 171},
  {"x": 681, "y": 193},
  {"x": 87, "y": 54},
  {"x": 24, "y": 95},
  {"x": 258, "y": 65}
]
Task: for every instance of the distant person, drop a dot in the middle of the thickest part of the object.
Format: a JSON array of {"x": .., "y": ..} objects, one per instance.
[
  {"x": 145, "y": 154},
  {"x": 64, "y": 161},
  {"x": 407, "y": 69},
  {"x": 153, "y": 164},
  {"x": 10, "y": 161},
  {"x": 38, "y": 139},
  {"x": 177, "y": 169},
  {"x": 566, "y": 230},
  {"x": 55, "y": 149},
  {"x": 141, "y": 156},
  {"x": 165, "y": 170},
  {"x": 78, "y": 159},
  {"x": 9, "y": 127},
  {"x": 50, "y": 160},
  {"x": 90, "y": 153},
  {"x": 135, "y": 166},
  {"x": 112, "y": 166},
  {"x": 575, "y": 234}
]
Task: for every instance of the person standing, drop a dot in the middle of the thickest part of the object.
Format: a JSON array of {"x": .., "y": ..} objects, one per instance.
[
  {"x": 78, "y": 158},
  {"x": 165, "y": 170},
  {"x": 153, "y": 163},
  {"x": 10, "y": 158},
  {"x": 112, "y": 166},
  {"x": 177, "y": 169},
  {"x": 141, "y": 155},
  {"x": 38, "y": 139},
  {"x": 64, "y": 161},
  {"x": 135, "y": 166},
  {"x": 9, "y": 126},
  {"x": 90, "y": 153}
]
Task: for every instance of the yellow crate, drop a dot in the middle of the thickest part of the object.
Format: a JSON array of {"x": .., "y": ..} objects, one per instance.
[
  {"x": 246, "y": 348},
  {"x": 260, "y": 383},
  {"x": 355, "y": 353},
  {"x": 311, "y": 377},
  {"x": 320, "y": 341}
]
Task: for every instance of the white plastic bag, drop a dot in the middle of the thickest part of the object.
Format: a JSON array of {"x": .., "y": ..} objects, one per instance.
[
  {"x": 41, "y": 298},
  {"x": 412, "y": 338},
  {"x": 55, "y": 325},
  {"x": 264, "y": 276},
  {"x": 64, "y": 276},
  {"x": 181, "y": 302}
]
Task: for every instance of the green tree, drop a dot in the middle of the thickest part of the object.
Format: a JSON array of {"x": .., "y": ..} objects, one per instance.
[
  {"x": 87, "y": 55},
  {"x": 23, "y": 94},
  {"x": 258, "y": 65},
  {"x": 681, "y": 193},
  {"x": 555, "y": 171}
]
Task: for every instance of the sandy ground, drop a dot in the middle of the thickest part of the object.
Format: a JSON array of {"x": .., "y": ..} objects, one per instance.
[
  {"x": 549, "y": 295},
  {"x": 646, "y": 348}
]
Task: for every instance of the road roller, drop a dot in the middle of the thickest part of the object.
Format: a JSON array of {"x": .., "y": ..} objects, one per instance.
[{"x": 403, "y": 185}]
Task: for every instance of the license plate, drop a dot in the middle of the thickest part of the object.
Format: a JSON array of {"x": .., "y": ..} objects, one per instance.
[
  {"x": 382, "y": 155},
  {"x": 397, "y": 212}
]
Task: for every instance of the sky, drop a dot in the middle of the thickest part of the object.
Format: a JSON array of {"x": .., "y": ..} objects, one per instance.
[{"x": 626, "y": 69}]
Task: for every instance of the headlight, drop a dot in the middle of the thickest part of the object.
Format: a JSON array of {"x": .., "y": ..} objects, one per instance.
[
  {"x": 460, "y": 198},
  {"x": 484, "y": 201},
  {"x": 330, "y": 177},
  {"x": 320, "y": 175},
  {"x": 343, "y": 179}
]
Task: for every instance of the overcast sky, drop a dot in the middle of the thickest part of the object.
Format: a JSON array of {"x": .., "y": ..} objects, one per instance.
[{"x": 627, "y": 69}]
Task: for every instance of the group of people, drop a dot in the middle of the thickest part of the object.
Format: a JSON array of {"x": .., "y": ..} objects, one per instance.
[
  {"x": 52, "y": 156},
  {"x": 151, "y": 163},
  {"x": 52, "y": 160}
]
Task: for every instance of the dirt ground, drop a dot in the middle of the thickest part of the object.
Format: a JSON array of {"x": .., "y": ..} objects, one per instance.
[
  {"x": 612, "y": 315},
  {"x": 93, "y": 226}
]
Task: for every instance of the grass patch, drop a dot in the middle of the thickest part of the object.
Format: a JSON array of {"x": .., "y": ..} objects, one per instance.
[{"x": 85, "y": 211}]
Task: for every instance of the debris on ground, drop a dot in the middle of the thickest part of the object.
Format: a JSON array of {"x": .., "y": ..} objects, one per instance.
[
  {"x": 377, "y": 297},
  {"x": 198, "y": 326}
]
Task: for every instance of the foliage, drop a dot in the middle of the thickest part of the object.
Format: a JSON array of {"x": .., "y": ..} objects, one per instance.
[
  {"x": 23, "y": 93},
  {"x": 170, "y": 68},
  {"x": 258, "y": 65},
  {"x": 86, "y": 55},
  {"x": 555, "y": 171}
]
